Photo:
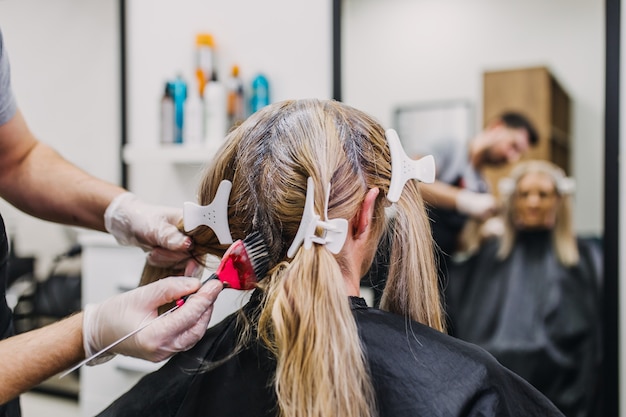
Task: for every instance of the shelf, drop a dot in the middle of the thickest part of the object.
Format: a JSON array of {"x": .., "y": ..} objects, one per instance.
[{"x": 174, "y": 154}]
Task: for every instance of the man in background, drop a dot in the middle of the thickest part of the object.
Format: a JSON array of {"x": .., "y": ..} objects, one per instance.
[{"x": 460, "y": 191}]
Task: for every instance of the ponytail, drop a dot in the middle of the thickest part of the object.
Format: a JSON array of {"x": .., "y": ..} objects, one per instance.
[{"x": 307, "y": 323}]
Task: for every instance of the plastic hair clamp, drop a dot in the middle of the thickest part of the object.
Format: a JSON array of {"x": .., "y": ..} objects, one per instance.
[
  {"x": 566, "y": 185},
  {"x": 335, "y": 230},
  {"x": 215, "y": 215},
  {"x": 404, "y": 168}
]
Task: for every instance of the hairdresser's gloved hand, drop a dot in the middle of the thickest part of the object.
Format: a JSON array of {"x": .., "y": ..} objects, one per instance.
[
  {"x": 106, "y": 322},
  {"x": 493, "y": 227},
  {"x": 477, "y": 205},
  {"x": 153, "y": 228}
]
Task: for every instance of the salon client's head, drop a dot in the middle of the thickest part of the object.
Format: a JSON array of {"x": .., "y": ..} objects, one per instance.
[
  {"x": 538, "y": 197},
  {"x": 269, "y": 159},
  {"x": 271, "y": 155}
]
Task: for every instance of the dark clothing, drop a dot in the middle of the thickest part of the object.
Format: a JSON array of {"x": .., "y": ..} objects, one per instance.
[
  {"x": 446, "y": 227},
  {"x": 7, "y": 111},
  {"x": 12, "y": 408},
  {"x": 448, "y": 224},
  {"x": 416, "y": 371},
  {"x": 537, "y": 317},
  {"x": 6, "y": 324}
]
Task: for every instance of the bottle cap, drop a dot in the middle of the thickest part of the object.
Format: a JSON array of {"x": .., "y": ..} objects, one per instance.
[{"x": 204, "y": 39}]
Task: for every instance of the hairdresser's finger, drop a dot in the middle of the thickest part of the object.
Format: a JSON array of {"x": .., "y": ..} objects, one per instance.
[
  {"x": 211, "y": 289},
  {"x": 170, "y": 237},
  {"x": 196, "y": 305},
  {"x": 190, "y": 321},
  {"x": 169, "y": 289}
]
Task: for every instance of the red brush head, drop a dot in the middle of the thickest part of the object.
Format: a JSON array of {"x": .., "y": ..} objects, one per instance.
[{"x": 243, "y": 263}]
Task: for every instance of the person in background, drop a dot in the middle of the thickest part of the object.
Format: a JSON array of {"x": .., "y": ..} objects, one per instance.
[
  {"x": 314, "y": 179},
  {"x": 460, "y": 198},
  {"x": 37, "y": 180},
  {"x": 531, "y": 296},
  {"x": 460, "y": 191}
]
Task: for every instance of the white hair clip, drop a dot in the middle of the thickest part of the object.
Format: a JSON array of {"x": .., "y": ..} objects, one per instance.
[
  {"x": 404, "y": 168},
  {"x": 214, "y": 215},
  {"x": 335, "y": 230},
  {"x": 566, "y": 185}
]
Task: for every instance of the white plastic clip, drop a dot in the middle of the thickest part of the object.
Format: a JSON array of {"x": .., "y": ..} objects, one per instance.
[
  {"x": 404, "y": 168},
  {"x": 215, "y": 215},
  {"x": 335, "y": 230},
  {"x": 566, "y": 186}
]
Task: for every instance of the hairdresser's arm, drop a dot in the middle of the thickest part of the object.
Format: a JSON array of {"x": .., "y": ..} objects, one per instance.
[
  {"x": 439, "y": 194},
  {"x": 38, "y": 181},
  {"x": 30, "y": 358}
]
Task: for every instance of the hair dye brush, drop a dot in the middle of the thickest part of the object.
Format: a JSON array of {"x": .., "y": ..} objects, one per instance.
[{"x": 242, "y": 265}]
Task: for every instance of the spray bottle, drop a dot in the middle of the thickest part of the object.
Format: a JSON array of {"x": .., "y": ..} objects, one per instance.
[
  {"x": 260, "y": 93},
  {"x": 193, "y": 128},
  {"x": 236, "y": 103},
  {"x": 167, "y": 114},
  {"x": 205, "y": 60},
  {"x": 216, "y": 117},
  {"x": 179, "y": 89}
]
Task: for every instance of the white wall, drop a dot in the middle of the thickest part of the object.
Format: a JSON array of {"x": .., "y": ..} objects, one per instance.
[
  {"x": 407, "y": 51},
  {"x": 65, "y": 73}
]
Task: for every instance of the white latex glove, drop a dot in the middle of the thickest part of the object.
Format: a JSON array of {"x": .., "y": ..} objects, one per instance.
[
  {"x": 152, "y": 228},
  {"x": 493, "y": 227},
  {"x": 106, "y": 322},
  {"x": 477, "y": 205}
]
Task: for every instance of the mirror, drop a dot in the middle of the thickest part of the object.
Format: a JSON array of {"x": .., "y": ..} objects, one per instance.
[{"x": 401, "y": 53}]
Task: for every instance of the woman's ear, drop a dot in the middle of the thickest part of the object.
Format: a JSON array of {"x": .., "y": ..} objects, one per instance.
[{"x": 366, "y": 212}]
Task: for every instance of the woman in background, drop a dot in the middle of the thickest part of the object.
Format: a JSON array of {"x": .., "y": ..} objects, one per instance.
[
  {"x": 531, "y": 296},
  {"x": 314, "y": 179}
]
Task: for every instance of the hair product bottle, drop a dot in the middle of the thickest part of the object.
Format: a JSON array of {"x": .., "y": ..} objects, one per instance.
[
  {"x": 193, "y": 133},
  {"x": 180, "y": 95},
  {"x": 236, "y": 103},
  {"x": 167, "y": 114},
  {"x": 205, "y": 60},
  {"x": 260, "y": 93},
  {"x": 216, "y": 117}
]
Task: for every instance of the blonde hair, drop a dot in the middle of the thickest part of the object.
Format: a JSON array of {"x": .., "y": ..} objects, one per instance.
[
  {"x": 304, "y": 316},
  {"x": 563, "y": 236}
]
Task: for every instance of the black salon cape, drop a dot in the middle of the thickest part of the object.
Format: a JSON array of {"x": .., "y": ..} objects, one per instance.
[
  {"x": 12, "y": 408},
  {"x": 537, "y": 317},
  {"x": 416, "y": 371}
]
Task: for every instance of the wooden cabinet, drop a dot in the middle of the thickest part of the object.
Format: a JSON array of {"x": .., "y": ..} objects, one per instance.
[{"x": 535, "y": 93}]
